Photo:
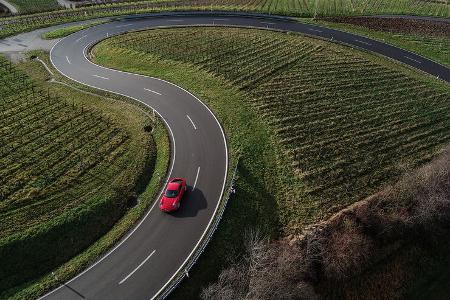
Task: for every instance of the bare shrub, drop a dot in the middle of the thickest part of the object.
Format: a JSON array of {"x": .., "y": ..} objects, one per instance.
[
  {"x": 232, "y": 284},
  {"x": 330, "y": 254},
  {"x": 432, "y": 203},
  {"x": 348, "y": 251},
  {"x": 267, "y": 271},
  {"x": 313, "y": 245},
  {"x": 417, "y": 203},
  {"x": 282, "y": 276}
]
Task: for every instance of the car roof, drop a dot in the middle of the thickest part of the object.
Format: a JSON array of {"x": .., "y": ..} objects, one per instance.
[{"x": 173, "y": 185}]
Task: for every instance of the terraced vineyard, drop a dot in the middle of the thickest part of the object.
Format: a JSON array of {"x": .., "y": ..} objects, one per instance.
[
  {"x": 27, "y": 6},
  {"x": 349, "y": 121},
  {"x": 66, "y": 173},
  {"x": 352, "y": 7},
  {"x": 292, "y": 7}
]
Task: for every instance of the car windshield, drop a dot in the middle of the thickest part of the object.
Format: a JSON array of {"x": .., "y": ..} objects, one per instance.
[{"x": 171, "y": 193}]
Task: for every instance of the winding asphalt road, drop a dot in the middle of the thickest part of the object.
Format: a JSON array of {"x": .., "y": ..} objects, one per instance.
[{"x": 144, "y": 263}]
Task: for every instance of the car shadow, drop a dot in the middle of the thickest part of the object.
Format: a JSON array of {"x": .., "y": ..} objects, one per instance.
[{"x": 191, "y": 204}]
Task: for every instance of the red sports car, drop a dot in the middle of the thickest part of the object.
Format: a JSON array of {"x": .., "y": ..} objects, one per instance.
[{"x": 171, "y": 199}]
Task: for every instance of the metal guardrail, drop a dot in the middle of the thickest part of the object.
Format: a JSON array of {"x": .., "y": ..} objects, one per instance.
[{"x": 201, "y": 248}]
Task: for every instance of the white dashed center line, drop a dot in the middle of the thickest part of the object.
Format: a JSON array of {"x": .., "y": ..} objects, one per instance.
[
  {"x": 140, "y": 265},
  {"x": 362, "y": 42},
  {"x": 268, "y": 23},
  {"x": 98, "y": 76},
  {"x": 220, "y": 19},
  {"x": 81, "y": 38},
  {"x": 407, "y": 57},
  {"x": 315, "y": 30},
  {"x": 68, "y": 61},
  {"x": 196, "y": 178},
  {"x": 175, "y": 20},
  {"x": 151, "y": 91},
  {"x": 192, "y": 122}
]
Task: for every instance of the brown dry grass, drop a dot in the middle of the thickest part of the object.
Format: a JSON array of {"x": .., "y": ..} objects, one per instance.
[{"x": 366, "y": 251}]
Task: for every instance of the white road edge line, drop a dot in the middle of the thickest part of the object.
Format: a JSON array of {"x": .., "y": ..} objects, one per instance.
[
  {"x": 196, "y": 178},
  {"x": 140, "y": 265},
  {"x": 149, "y": 90},
  {"x": 362, "y": 42},
  {"x": 410, "y": 58},
  {"x": 68, "y": 61},
  {"x": 98, "y": 76},
  {"x": 81, "y": 38},
  {"x": 192, "y": 122}
]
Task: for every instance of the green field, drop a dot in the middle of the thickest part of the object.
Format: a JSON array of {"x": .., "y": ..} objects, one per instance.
[
  {"x": 33, "y": 6},
  {"x": 67, "y": 171},
  {"x": 62, "y": 32},
  {"x": 339, "y": 123}
]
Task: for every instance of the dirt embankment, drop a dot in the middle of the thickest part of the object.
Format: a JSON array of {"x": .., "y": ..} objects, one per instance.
[
  {"x": 398, "y": 25},
  {"x": 373, "y": 249}
]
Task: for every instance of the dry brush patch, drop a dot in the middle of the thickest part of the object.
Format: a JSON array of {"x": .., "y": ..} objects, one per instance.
[{"x": 369, "y": 245}]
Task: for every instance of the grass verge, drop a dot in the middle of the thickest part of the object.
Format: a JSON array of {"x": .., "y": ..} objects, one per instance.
[
  {"x": 433, "y": 47},
  {"x": 62, "y": 32},
  {"x": 236, "y": 74}
]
